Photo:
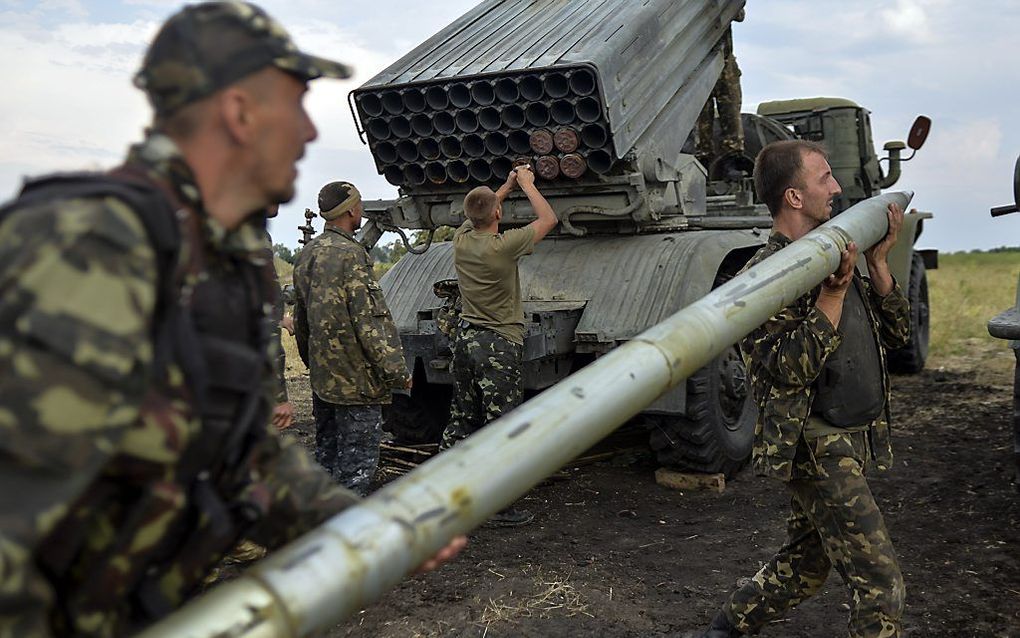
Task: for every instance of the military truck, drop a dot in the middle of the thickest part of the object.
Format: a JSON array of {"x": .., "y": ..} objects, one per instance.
[
  {"x": 1006, "y": 325},
  {"x": 601, "y": 97}
]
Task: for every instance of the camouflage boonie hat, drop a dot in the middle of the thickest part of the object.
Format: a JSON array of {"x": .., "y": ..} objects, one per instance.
[
  {"x": 209, "y": 46},
  {"x": 336, "y": 198}
]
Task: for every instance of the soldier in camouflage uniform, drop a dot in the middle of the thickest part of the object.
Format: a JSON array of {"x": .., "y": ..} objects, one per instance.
[
  {"x": 489, "y": 342},
  {"x": 347, "y": 338},
  {"x": 137, "y": 387},
  {"x": 283, "y": 413},
  {"x": 818, "y": 372},
  {"x": 725, "y": 101}
]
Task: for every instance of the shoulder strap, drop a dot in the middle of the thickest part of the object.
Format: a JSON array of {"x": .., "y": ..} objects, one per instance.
[{"x": 155, "y": 207}]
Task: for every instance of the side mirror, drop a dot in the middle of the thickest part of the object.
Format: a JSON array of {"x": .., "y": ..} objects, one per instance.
[
  {"x": 919, "y": 132},
  {"x": 1015, "y": 206},
  {"x": 1016, "y": 183}
]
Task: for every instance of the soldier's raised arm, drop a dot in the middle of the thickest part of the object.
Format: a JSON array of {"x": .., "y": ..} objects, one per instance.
[{"x": 547, "y": 219}]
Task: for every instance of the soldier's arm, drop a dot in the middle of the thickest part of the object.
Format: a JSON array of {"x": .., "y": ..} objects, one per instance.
[
  {"x": 792, "y": 346},
  {"x": 74, "y": 360},
  {"x": 547, "y": 218},
  {"x": 301, "y": 311},
  {"x": 276, "y": 344},
  {"x": 887, "y": 299},
  {"x": 373, "y": 325},
  {"x": 302, "y": 494}
]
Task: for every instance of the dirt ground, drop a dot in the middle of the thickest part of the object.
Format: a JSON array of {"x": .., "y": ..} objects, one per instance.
[{"x": 611, "y": 553}]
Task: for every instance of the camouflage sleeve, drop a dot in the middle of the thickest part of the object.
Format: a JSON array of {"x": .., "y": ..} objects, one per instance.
[
  {"x": 78, "y": 292},
  {"x": 276, "y": 342},
  {"x": 893, "y": 312},
  {"x": 791, "y": 347},
  {"x": 302, "y": 494},
  {"x": 373, "y": 325},
  {"x": 301, "y": 307}
]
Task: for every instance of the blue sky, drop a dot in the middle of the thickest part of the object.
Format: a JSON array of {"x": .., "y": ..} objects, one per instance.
[{"x": 66, "y": 67}]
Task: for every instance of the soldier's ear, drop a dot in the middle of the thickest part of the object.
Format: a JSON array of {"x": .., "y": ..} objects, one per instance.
[
  {"x": 793, "y": 198},
  {"x": 235, "y": 106}
]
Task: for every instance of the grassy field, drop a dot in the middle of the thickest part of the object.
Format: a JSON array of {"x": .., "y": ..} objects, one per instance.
[{"x": 965, "y": 292}]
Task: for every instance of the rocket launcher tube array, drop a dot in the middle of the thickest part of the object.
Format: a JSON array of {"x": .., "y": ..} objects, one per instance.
[{"x": 355, "y": 557}]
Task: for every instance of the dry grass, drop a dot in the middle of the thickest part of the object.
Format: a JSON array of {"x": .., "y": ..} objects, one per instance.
[
  {"x": 965, "y": 292},
  {"x": 551, "y": 595}
]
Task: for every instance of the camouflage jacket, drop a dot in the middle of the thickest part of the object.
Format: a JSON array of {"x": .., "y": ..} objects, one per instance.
[
  {"x": 785, "y": 356},
  {"x": 88, "y": 437},
  {"x": 279, "y": 358},
  {"x": 344, "y": 329}
]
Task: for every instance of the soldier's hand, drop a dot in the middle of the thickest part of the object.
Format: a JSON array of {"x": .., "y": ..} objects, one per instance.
[
  {"x": 287, "y": 323},
  {"x": 511, "y": 181},
  {"x": 525, "y": 177},
  {"x": 283, "y": 415},
  {"x": 839, "y": 281},
  {"x": 444, "y": 555},
  {"x": 878, "y": 253}
]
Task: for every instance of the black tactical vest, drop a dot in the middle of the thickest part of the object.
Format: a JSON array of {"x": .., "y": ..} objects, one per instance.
[
  {"x": 217, "y": 332},
  {"x": 850, "y": 389}
]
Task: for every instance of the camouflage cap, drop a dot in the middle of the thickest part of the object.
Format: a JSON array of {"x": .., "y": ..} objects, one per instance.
[
  {"x": 206, "y": 47},
  {"x": 336, "y": 198}
]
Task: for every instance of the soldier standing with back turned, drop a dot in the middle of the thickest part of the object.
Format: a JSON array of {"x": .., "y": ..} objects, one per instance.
[
  {"x": 489, "y": 344},
  {"x": 346, "y": 337},
  {"x": 818, "y": 372}
]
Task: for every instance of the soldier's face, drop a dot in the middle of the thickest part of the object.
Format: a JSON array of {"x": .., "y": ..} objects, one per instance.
[
  {"x": 819, "y": 188},
  {"x": 284, "y": 128}
]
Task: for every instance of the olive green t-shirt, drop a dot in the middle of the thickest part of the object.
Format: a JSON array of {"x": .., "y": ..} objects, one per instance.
[{"x": 490, "y": 286}]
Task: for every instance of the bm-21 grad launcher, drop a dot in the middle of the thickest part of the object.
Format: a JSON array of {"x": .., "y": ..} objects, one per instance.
[{"x": 600, "y": 97}]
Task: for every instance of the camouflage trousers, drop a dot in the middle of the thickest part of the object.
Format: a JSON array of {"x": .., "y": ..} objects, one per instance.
[
  {"x": 726, "y": 99},
  {"x": 347, "y": 441},
  {"x": 486, "y": 371},
  {"x": 834, "y": 522}
]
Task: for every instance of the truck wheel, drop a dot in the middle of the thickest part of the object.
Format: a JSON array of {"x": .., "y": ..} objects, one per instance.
[
  {"x": 718, "y": 430},
  {"x": 910, "y": 359},
  {"x": 420, "y": 417}
]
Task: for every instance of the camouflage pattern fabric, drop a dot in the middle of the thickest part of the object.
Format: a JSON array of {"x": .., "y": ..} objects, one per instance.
[
  {"x": 276, "y": 351},
  {"x": 486, "y": 371},
  {"x": 784, "y": 357},
  {"x": 345, "y": 333},
  {"x": 834, "y": 522},
  {"x": 347, "y": 439},
  {"x": 448, "y": 315},
  {"x": 89, "y": 444},
  {"x": 209, "y": 46},
  {"x": 726, "y": 101}
]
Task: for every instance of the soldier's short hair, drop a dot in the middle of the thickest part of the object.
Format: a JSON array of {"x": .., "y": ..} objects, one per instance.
[
  {"x": 480, "y": 205},
  {"x": 778, "y": 168}
]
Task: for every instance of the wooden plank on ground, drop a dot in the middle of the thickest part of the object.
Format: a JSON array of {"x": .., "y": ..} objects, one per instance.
[{"x": 680, "y": 481}]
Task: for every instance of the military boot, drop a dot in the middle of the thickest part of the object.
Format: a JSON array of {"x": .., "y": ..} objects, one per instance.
[{"x": 721, "y": 628}]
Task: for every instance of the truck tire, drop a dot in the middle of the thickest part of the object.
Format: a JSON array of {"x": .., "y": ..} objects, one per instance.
[
  {"x": 911, "y": 359},
  {"x": 717, "y": 432}
]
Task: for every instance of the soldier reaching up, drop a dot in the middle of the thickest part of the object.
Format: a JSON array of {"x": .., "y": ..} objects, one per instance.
[{"x": 490, "y": 337}]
